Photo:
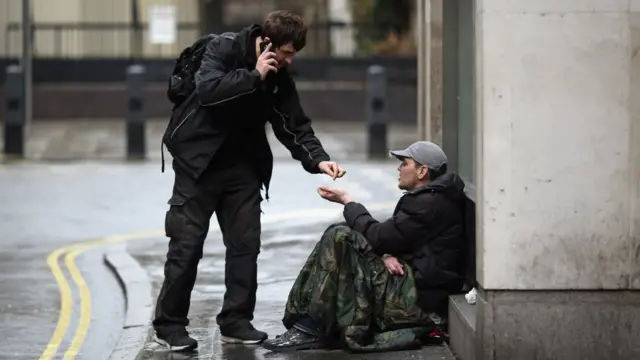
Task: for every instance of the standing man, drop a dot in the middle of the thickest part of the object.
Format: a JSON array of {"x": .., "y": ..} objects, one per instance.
[{"x": 222, "y": 159}]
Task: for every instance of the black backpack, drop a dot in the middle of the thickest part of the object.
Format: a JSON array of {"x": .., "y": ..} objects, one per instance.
[
  {"x": 182, "y": 80},
  {"x": 182, "y": 83}
]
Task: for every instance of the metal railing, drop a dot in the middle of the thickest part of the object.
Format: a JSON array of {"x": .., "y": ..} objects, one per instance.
[{"x": 118, "y": 40}]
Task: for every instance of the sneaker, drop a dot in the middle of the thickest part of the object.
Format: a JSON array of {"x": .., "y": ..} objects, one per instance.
[
  {"x": 245, "y": 334},
  {"x": 177, "y": 341},
  {"x": 294, "y": 340}
]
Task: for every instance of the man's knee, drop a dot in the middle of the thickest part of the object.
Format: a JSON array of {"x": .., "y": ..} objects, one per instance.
[
  {"x": 243, "y": 240},
  {"x": 338, "y": 233},
  {"x": 339, "y": 228},
  {"x": 181, "y": 223}
]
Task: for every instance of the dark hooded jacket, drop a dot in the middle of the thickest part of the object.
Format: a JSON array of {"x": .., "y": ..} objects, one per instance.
[
  {"x": 225, "y": 118},
  {"x": 427, "y": 232}
]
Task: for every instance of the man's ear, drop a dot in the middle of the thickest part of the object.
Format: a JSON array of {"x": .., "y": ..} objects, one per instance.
[{"x": 423, "y": 173}]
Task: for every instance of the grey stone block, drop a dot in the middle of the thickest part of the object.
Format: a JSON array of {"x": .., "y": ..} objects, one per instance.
[
  {"x": 462, "y": 327},
  {"x": 562, "y": 325}
]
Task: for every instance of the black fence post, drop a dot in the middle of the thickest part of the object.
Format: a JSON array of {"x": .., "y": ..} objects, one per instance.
[
  {"x": 14, "y": 119},
  {"x": 136, "y": 148},
  {"x": 376, "y": 111}
]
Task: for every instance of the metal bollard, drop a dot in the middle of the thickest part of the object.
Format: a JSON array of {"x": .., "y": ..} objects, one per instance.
[
  {"x": 14, "y": 119},
  {"x": 136, "y": 148},
  {"x": 376, "y": 111}
]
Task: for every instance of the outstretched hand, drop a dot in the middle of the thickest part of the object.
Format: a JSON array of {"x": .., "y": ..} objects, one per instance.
[
  {"x": 334, "y": 195},
  {"x": 332, "y": 169}
]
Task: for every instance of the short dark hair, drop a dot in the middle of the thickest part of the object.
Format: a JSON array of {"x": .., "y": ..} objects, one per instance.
[
  {"x": 433, "y": 173},
  {"x": 284, "y": 26}
]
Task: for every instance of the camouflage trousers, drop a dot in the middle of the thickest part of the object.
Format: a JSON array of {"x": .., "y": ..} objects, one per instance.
[{"x": 348, "y": 292}]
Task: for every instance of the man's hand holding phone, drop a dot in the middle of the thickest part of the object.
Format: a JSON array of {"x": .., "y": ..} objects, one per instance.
[{"x": 266, "y": 62}]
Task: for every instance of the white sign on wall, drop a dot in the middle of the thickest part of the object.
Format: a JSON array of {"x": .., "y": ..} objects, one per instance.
[{"x": 162, "y": 24}]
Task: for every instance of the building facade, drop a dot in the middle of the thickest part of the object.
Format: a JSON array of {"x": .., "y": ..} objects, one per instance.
[
  {"x": 104, "y": 29},
  {"x": 545, "y": 120}
]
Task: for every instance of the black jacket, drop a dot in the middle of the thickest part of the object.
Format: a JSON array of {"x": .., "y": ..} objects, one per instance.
[
  {"x": 231, "y": 98},
  {"x": 427, "y": 232}
]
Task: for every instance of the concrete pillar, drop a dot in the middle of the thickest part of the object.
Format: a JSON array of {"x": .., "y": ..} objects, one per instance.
[
  {"x": 436, "y": 68},
  {"x": 429, "y": 45},
  {"x": 377, "y": 115},
  {"x": 558, "y": 175},
  {"x": 136, "y": 109}
]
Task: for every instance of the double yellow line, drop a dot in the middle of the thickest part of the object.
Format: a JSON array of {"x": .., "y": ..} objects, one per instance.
[{"x": 66, "y": 257}]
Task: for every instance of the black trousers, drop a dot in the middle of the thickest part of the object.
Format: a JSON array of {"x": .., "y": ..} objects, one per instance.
[{"x": 233, "y": 194}]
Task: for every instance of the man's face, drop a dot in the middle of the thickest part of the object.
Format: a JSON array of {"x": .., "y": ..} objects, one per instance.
[
  {"x": 411, "y": 175},
  {"x": 285, "y": 54}
]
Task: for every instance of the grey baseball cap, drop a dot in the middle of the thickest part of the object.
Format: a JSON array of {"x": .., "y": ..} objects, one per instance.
[{"x": 424, "y": 152}]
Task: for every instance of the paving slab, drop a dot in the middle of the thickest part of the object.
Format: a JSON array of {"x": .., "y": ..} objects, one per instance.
[{"x": 285, "y": 249}]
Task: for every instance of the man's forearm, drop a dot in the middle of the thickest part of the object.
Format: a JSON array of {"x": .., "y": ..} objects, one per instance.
[
  {"x": 215, "y": 87},
  {"x": 382, "y": 236},
  {"x": 217, "y": 79},
  {"x": 357, "y": 216},
  {"x": 298, "y": 137}
]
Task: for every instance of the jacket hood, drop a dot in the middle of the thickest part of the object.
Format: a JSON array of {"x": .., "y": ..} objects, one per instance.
[
  {"x": 449, "y": 185},
  {"x": 246, "y": 39}
]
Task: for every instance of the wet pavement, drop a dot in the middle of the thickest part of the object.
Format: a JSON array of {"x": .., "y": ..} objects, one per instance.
[
  {"x": 284, "y": 251},
  {"x": 48, "y": 205}
]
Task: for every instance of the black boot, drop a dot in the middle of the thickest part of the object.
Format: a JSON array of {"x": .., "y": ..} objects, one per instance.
[{"x": 294, "y": 340}]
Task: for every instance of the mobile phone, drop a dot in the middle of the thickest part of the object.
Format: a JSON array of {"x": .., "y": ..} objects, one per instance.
[
  {"x": 264, "y": 44},
  {"x": 271, "y": 75}
]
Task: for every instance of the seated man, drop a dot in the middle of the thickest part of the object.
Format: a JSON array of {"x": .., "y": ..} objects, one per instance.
[{"x": 377, "y": 286}]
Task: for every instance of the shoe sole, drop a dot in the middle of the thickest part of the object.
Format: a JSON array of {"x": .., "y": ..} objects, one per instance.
[
  {"x": 232, "y": 340},
  {"x": 312, "y": 346},
  {"x": 173, "y": 348}
]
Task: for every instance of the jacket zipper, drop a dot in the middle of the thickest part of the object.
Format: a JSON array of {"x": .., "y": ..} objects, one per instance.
[
  {"x": 295, "y": 140},
  {"x": 181, "y": 123},
  {"x": 228, "y": 99}
]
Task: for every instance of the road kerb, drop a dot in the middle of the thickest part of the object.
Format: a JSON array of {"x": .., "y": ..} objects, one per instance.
[{"x": 136, "y": 287}]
